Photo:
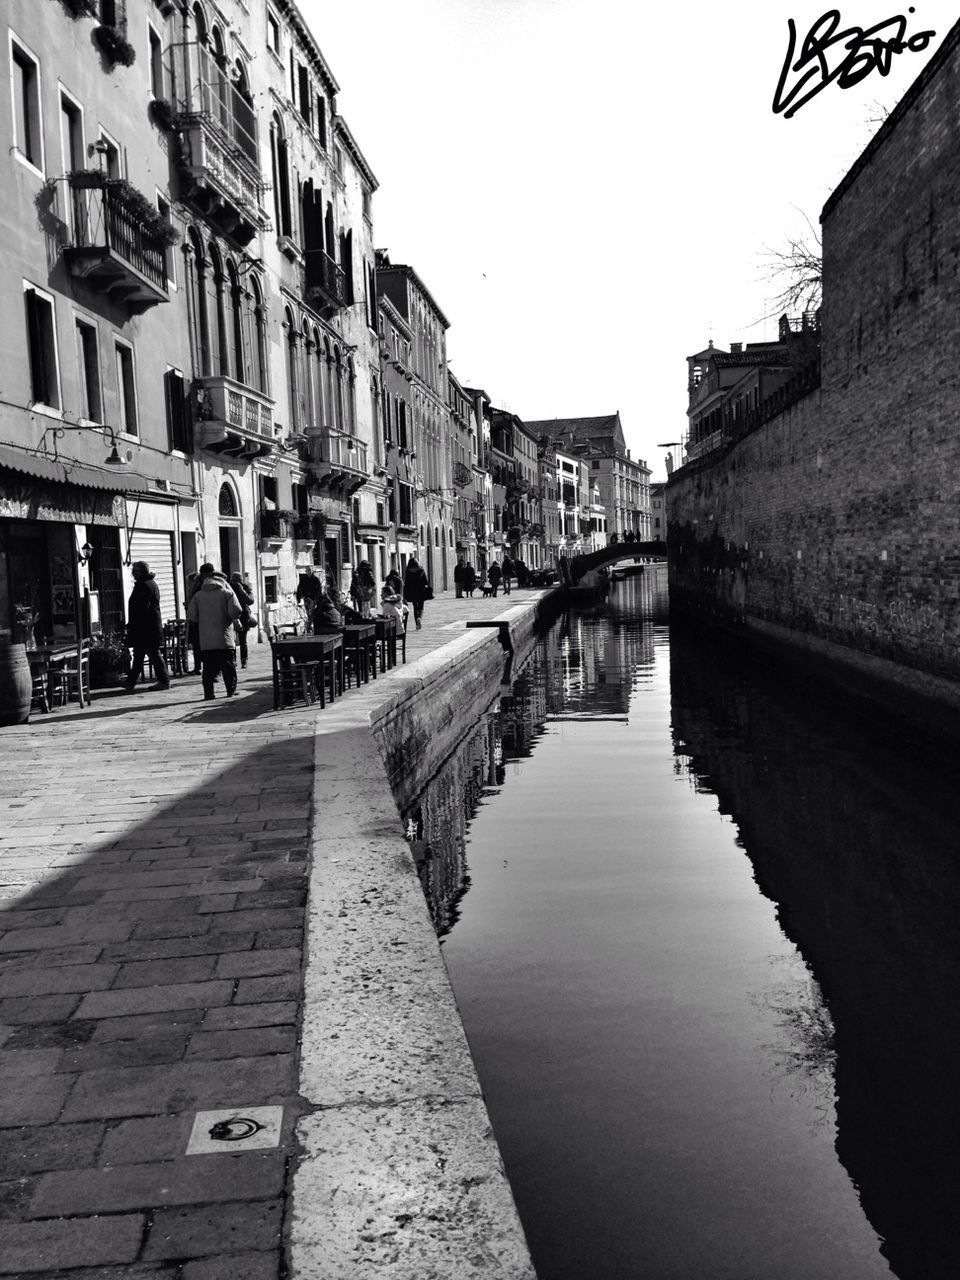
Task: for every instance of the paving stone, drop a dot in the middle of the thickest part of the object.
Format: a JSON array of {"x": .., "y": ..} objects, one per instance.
[
  {"x": 29, "y": 1092},
  {"x": 250, "y": 1266},
  {"x": 131, "y": 1091},
  {"x": 144, "y": 1024},
  {"x": 251, "y": 1015},
  {"x": 82, "y": 953},
  {"x": 143, "y": 1051},
  {"x": 244, "y": 964},
  {"x": 181, "y": 995},
  {"x": 51, "y": 1035},
  {"x": 214, "y": 1229},
  {"x": 191, "y": 927},
  {"x": 144, "y": 1141},
  {"x": 40, "y": 982},
  {"x": 283, "y": 986},
  {"x": 27, "y": 1248},
  {"x": 254, "y": 1175},
  {"x": 248, "y": 1042},
  {"x": 39, "y": 1149},
  {"x": 183, "y": 969},
  {"x": 209, "y": 888},
  {"x": 270, "y": 938},
  {"x": 257, "y": 918},
  {"x": 38, "y": 1008},
  {"x": 167, "y": 948}
]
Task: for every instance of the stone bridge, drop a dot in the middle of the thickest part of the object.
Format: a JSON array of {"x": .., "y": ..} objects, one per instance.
[{"x": 584, "y": 571}]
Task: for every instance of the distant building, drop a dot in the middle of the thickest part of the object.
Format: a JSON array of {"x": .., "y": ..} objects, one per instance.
[{"x": 623, "y": 482}]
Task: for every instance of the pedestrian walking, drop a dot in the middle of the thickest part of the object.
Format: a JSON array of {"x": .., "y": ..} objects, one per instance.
[
  {"x": 495, "y": 573},
  {"x": 245, "y": 621},
  {"x": 507, "y": 568},
  {"x": 309, "y": 591},
  {"x": 145, "y": 628},
  {"x": 215, "y": 609},
  {"x": 458, "y": 576},
  {"x": 363, "y": 587},
  {"x": 416, "y": 589},
  {"x": 469, "y": 580}
]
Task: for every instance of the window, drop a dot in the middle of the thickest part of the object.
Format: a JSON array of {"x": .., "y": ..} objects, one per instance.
[
  {"x": 156, "y": 65},
  {"x": 88, "y": 363},
  {"x": 42, "y": 346},
  {"x": 27, "y": 129},
  {"x": 127, "y": 388},
  {"x": 163, "y": 208},
  {"x": 338, "y": 160},
  {"x": 113, "y": 13},
  {"x": 281, "y": 177},
  {"x": 303, "y": 93},
  {"x": 71, "y": 134},
  {"x": 175, "y": 401},
  {"x": 273, "y": 34},
  {"x": 322, "y": 121},
  {"x": 109, "y": 152}
]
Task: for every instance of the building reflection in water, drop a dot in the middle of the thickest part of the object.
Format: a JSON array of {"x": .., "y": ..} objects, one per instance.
[
  {"x": 853, "y": 832},
  {"x": 575, "y": 672}
]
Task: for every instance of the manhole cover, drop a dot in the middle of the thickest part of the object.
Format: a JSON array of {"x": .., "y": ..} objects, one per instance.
[{"x": 241, "y": 1129}]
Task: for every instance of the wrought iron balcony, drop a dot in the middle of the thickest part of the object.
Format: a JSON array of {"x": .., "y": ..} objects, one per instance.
[
  {"x": 337, "y": 460},
  {"x": 219, "y": 153},
  {"x": 116, "y": 241},
  {"x": 232, "y": 419},
  {"x": 326, "y": 282}
]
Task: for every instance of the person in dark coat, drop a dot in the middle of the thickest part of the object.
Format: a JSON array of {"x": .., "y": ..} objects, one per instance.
[
  {"x": 495, "y": 573},
  {"x": 415, "y": 590},
  {"x": 458, "y": 575},
  {"x": 244, "y": 622},
  {"x": 507, "y": 568},
  {"x": 145, "y": 627},
  {"x": 469, "y": 580},
  {"x": 309, "y": 591}
]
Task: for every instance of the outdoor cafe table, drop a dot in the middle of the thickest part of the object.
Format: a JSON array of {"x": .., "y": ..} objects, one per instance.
[
  {"x": 49, "y": 658},
  {"x": 387, "y": 641},
  {"x": 360, "y": 642},
  {"x": 315, "y": 648}
]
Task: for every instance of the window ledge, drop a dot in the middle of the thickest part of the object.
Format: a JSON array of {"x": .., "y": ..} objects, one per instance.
[{"x": 289, "y": 249}]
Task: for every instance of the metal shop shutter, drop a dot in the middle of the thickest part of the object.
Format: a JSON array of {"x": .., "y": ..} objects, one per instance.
[{"x": 157, "y": 550}]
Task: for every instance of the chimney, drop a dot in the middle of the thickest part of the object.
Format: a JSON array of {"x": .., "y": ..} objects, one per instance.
[{"x": 736, "y": 348}]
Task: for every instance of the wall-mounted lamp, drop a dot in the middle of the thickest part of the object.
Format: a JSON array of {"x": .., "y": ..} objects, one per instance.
[
  {"x": 85, "y": 553},
  {"x": 113, "y": 459}
]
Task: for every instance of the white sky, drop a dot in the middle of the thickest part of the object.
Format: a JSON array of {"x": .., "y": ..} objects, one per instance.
[{"x": 587, "y": 187}]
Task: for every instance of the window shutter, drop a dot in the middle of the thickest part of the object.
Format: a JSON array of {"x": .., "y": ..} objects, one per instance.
[{"x": 176, "y": 402}]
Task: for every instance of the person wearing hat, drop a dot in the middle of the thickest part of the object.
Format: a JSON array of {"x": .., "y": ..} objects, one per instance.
[
  {"x": 145, "y": 628},
  {"x": 215, "y": 608}
]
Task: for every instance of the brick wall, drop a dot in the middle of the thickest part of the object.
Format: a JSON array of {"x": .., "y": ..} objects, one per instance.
[{"x": 840, "y": 519}]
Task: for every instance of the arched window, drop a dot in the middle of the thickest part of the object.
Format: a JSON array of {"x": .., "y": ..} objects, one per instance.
[
  {"x": 316, "y": 377},
  {"x": 421, "y": 535},
  {"x": 218, "y": 79},
  {"x": 436, "y": 537},
  {"x": 227, "y": 503},
  {"x": 338, "y": 420},
  {"x": 221, "y": 359},
  {"x": 200, "y": 22},
  {"x": 197, "y": 271},
  {"x": 281, "y": 176},
  {"x": 244, "y": 116},
  {"x": 306, "y": 376},
  {"x": 350, "y": 398},
  {"x": 259, "y": 362},
  {"x": 237, "y": 359},
  {"x": 293, "y": 372}
]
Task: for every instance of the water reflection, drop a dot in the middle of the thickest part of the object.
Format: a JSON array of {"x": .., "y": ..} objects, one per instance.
[
  {"x": 576, "y": 671},
  {"x": 854, "y": 833},
  {"x": 708, "y": 963}
]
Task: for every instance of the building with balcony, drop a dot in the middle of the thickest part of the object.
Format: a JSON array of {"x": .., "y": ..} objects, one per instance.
[
  {"x": 95, "y": 466},
  {"x": 396, "y": 342},
  {"x": 432, "y": 448}
]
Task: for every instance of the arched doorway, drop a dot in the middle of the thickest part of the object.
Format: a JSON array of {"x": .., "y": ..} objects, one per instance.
[{"x": 228, "y": 511}]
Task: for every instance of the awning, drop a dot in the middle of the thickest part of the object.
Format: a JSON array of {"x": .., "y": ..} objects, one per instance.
[{"x": 115, "y": 480}]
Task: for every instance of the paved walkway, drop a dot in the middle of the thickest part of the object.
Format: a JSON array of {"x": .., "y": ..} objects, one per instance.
[{"x": 153, "y": 873}]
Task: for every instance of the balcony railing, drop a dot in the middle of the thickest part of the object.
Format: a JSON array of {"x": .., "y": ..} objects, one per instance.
[
  {"x": 232, "y": 418},
  {"x": 337, "y": 459},
  {"x": 219, "y": 149},
  {"x": 115, "y": 242},
  {"x": 326, "y": 281}
]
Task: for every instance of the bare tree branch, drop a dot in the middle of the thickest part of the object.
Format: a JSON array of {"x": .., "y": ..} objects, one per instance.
[{"x": 797, "y": 267}]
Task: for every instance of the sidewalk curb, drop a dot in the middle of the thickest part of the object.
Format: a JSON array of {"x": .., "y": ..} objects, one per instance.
[{"x": 398, "y": 1168}]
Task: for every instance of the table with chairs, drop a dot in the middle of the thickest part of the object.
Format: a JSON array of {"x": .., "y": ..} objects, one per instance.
[
  {"x": 59, "y": 673},
  {"x": 307, "y": 667}
]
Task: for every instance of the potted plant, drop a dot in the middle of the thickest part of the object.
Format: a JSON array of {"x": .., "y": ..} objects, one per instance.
[
  {"x": 115, "y": 45},
  {"x": 109, "y": 659}
]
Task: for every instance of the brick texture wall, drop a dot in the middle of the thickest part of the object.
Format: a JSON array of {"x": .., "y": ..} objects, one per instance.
[{"x": 840, "y": 519}]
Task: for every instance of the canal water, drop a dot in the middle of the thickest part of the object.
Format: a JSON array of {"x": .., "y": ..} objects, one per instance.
[{"x": 702, "y": 926}]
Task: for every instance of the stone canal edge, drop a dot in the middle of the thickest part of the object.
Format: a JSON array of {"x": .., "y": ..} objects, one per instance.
[{"x": 397, "y": 1172}]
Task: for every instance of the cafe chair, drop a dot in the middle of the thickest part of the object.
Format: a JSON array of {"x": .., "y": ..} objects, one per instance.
[
  {"x": 74, "y": 672},
  {"x": 287, "y": 629},
  {"x": 293, "y": 680},
  {"x": 39, "y": 681}
]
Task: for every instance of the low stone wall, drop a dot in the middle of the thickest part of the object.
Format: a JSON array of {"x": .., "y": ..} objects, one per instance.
[{"x": 399, "y": 1173}]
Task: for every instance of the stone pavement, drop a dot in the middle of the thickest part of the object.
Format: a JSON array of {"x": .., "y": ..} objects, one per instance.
[{"x": 153, "y": 874}]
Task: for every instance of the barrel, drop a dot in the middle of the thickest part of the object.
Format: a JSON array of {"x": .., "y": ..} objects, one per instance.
[{"x": 16, "y": 684}]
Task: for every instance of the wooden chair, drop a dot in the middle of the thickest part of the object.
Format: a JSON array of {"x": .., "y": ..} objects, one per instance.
[
  {"x": 75, "y": 672},
  {"x": 292, "y": 680},
  {"x": 287, "y": 629},
  {"x": 40, "y": 681}
]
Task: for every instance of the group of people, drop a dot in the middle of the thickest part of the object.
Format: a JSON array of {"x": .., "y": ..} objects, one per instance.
[
  {"x": 500, "y": 571},
  {"x": 219, "y": 615},
  {"x": 324, "y": 605}
]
